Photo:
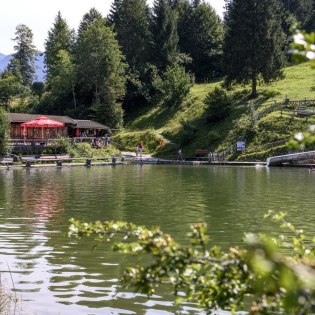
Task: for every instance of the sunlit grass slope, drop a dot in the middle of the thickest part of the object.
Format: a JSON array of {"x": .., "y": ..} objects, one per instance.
[{"x": 187, "y": 126}]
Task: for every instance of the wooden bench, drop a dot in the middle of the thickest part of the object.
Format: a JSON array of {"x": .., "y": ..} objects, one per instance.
[{"x": 201, "y": 152}]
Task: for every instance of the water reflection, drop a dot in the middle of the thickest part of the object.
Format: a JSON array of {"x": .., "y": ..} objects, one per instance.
[{"x": 55, "y": 274}]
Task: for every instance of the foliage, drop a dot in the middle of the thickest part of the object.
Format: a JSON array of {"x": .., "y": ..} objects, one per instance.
[
  {"x": 303, "y": 47},
  {"x": 101, "y": 70},
  {"x": 254, "y": 43},
  {"x": 60, "y": 37},
  {"x": 4, "y": 132},
  {"x": 129, "y": 140},
  {"x": 91, "y": 17},
  {"x": 61, "y": 85},
  {"x": 10, "y": 87},
  {"x": 303, "y": 141},
  {"x": 38, "y": 89},
  {"x": 136, "y": 43},
  {"x": 135, "y": 40},
  {"x": 244, "y": 129},
  {"x": 173, "y": 86},
  {"x": 24, "y": 53},
  {"x": 218, "y": 105},
  {"x": 200, "y": 36},
  {"x": 302, "y": 10},
  {"x": 262, "y": 154},
  {"x": 165, "y": 37},
  {"x": 274, "y": 273},
  {"x": 68, "y": 146}
]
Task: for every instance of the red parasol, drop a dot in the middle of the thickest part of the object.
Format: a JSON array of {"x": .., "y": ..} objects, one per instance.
[{"x": 42, "y": 122}]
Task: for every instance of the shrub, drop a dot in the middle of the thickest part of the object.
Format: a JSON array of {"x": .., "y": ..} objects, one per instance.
[
  {"x": 219, "y": 105},
  {"x": 173, "y": 87},
  {"x": 4, "y": 132},
  {"x": 129, "y": 140}
]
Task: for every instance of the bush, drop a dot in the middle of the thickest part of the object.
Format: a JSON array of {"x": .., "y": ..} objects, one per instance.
[
  {"x": 173, "y": 87},
  {"x": 128, "y": 140},
  {"x": 219, "y": 105},
  {"x": 4, "y": 132},
  {"x": 213, "y": 137}
]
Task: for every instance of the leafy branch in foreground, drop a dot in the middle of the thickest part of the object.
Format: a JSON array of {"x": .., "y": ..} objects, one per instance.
[{"x": 274, "y": 274}]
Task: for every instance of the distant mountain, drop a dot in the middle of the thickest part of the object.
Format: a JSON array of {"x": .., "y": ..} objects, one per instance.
[
  {"x": 1, "y": 56},
  {"x": 39, "y": 64}
]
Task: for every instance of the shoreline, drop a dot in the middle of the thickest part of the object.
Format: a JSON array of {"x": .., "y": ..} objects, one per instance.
[{"x": 145, "y": 161}]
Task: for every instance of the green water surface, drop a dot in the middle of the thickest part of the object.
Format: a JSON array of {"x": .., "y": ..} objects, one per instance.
[{"x": 53, "y": 274}]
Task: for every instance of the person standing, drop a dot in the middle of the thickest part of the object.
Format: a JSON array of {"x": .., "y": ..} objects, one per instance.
[
  {"x": 179, "y": 155},
  {"x": 137, "y": 150},
  {"x": 141, "y": 149},
  {"x": 105, "y": 140}
]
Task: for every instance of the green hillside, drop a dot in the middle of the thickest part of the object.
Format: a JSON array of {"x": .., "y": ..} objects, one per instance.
[{"x": 188, "y": 127}]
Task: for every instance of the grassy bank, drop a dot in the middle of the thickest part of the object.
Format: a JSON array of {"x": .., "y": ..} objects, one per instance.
[{"x": 188, "y": 126}]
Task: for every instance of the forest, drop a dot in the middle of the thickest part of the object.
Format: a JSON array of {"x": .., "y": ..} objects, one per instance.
[{"x": 139, "y": 56}]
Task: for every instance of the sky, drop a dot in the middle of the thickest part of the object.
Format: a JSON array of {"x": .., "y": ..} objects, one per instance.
[{"x": 39, "y": 16}]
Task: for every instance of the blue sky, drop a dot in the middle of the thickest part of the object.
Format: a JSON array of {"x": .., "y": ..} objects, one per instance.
[{"x": 39, "y": 16}]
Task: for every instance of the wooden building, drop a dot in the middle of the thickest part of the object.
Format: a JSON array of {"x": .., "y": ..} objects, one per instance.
[{"x": 72, "y": 128}]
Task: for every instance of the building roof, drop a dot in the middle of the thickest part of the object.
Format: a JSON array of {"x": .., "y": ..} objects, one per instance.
[
  {"x": 89, "y": 124},
  {"x": 21, "y": 117},
  {"x": 77, "y": 123}
]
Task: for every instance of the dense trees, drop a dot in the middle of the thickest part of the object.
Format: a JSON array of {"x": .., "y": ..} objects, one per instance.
[
  {"x": 200, "y": 36},
  {"x": 254, "y": 42},
  {"x": 136, "y": 43},
  {"x": 165, "y": 36},
  {"x": 132, "y": 55}
]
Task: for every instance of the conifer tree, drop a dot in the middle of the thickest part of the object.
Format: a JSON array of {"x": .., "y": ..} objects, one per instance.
[
  {"x": 165, "y": 36},
  {"x": 253, "y": 43},
  {"x": 101, "y": 73},
  {"x": 60, "y": 37},
  {"x": 90, "y": 18},
  {"x": 136, "y": 38},
  {"x": 201, "y": 36},
  {"x": 24, "y": 56},
  {"x": 136, "y": 43}
]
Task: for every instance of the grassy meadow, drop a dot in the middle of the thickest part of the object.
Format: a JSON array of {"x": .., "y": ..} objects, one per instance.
[{"x": 188, "y": 127}]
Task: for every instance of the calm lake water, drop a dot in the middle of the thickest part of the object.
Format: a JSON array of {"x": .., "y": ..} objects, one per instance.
[{"x": 53, "y": 274}]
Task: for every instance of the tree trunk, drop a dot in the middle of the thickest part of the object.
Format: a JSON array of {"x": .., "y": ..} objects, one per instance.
[
  {"x": 254, "y": 86},
  {"x": 74, "y": 100}
]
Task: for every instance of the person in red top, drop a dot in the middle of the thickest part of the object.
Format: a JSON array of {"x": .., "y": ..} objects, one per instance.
[{"x": 141, "y": 148}]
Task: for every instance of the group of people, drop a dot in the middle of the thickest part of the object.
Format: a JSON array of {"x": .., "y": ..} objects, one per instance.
[{"x": 96, "y": 142}]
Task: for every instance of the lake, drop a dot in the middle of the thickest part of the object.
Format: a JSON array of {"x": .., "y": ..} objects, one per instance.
[{"x": 53, "y": 274}]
